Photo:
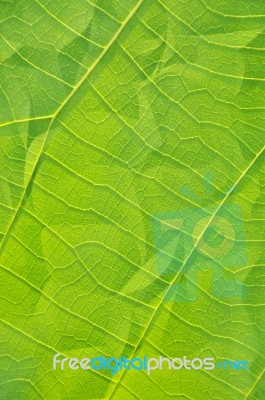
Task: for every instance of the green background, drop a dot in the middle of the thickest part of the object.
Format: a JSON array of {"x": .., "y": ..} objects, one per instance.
[{"x": 108, "y": 108}]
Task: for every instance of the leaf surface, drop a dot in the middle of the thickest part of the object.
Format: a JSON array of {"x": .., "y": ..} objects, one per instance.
[{"x": 129, "y": 132}]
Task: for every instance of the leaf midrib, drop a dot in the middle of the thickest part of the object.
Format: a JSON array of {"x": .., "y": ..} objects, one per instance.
[
  {"x": 185, "y": 262},
  {"x": 62, "y": 106}
]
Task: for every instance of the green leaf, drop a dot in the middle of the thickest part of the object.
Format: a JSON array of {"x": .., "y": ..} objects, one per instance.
[{"x": 132, "y": 195}]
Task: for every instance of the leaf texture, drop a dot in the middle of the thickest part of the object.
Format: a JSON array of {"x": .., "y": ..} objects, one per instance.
[{"x": 116, "y": 118}]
